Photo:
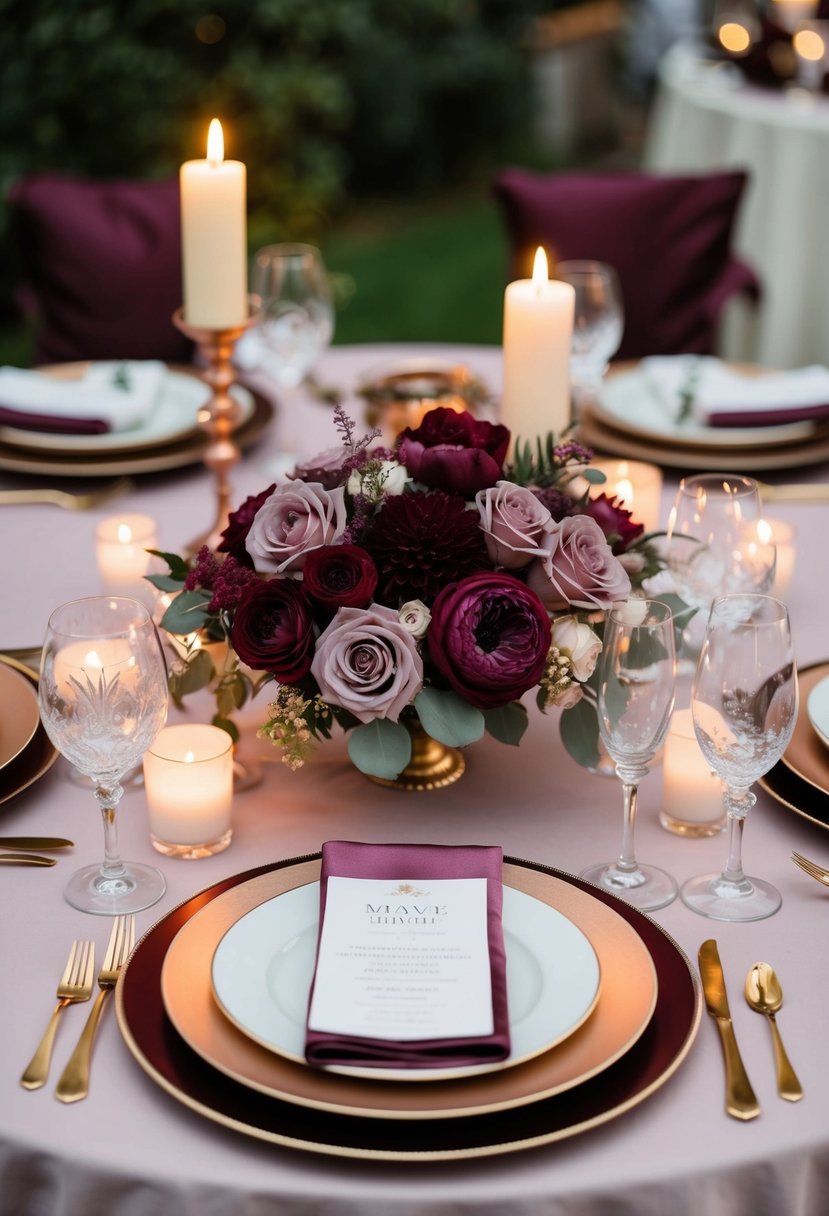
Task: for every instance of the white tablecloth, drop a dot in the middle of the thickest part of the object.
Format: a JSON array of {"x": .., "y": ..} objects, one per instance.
[
  {"x": 130, "y": 1149},
  {"x": 705, "y": 119}
]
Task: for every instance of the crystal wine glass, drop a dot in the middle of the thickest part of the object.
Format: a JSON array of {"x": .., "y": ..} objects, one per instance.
[
  {"x": 296, "y": 318},
  {"x": 103, "y": 700},
  {"x": 598, "y": 323},
  {"x": 636, "y": 675},
  {"x": 744, "y": 703}
]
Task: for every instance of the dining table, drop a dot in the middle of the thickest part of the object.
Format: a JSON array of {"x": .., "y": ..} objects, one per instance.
[{"x": 133, "y": 1147}]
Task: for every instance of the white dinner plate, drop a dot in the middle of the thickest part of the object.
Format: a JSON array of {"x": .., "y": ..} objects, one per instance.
[
  {"x": 174, "y": 414},
  {"x": 817, "y": 707},
  {"x": 263, "y": 966},
  {"x": 630, "y": 402}
]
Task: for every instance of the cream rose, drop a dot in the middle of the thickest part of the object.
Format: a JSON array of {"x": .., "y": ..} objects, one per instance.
[
  {"x": 414, "y": 616},
  {"x": 579, "y": 644},
  {"x": 392, "y": 478},
  {"x": 297, "y": 517}
]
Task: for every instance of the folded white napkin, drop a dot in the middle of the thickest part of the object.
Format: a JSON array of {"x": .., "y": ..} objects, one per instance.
[
  {"x": 111, "y": 396},
  {"x": 720, "y": 396}
]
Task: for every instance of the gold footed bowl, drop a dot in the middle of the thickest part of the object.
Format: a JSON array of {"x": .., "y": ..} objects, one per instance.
[{"x": 433, "y": 765}]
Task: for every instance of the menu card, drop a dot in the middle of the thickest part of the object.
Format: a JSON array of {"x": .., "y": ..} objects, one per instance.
[{"x": 410, "y": 966}]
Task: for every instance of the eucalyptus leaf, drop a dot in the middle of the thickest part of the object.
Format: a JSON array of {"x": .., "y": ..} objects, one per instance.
[
  {"x": 231, "y": 693},
  {"x": 380, "y": 748},
  {"x": 446, "y": 717},
  {"x": 197, "y": 674},
  {"x": 595, "y": 476},
  {"x": 178, "y": 566},
  {"x": 227, "y": 725},
  {"x": 507, "y": 723},
  {"x": 165, "y": 582},
  {"x": 579, "y": 729},
  {"x": 187, "y": 613}
]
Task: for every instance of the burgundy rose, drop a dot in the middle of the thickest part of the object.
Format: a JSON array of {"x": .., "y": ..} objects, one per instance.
[
  {"x": 340, "y": 576},
  {"x": 578, "y": 567},
  {"x": 272, "y": 629},
  {"x": 238, "y": 526},
  {"x": 614, "y": 520},
  {"x": 489, "y": 636},
  {"x": 453, "y": 451}
]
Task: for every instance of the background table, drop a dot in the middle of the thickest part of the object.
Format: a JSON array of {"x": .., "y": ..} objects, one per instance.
[
  {"x": 704, "y": 118},
  {"x": 131, "y": 1150}
]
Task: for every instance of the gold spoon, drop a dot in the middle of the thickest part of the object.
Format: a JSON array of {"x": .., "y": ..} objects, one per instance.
[{"x": 764, "y": 994}]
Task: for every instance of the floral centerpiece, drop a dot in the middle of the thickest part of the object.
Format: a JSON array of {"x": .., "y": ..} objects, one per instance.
[{"x": 422, "y": 588}]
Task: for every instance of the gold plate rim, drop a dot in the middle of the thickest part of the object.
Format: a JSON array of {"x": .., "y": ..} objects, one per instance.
[
  {"x": 49, "y": 753},
  {"x": 24, "y": 724}
]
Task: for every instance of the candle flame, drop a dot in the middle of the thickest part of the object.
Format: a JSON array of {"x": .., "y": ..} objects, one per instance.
[
  {"x": 540, "y": 272},
  {"x": 624, "y": 491},
  {"x": 189, "y": 758},
  {"x": 215, "y": 142},
  {"x": 764, "y": 531},
  {"x": 124, "y": 534},
  {"x": 93, "y": 659},
  {"x": 734, "y": 37},
  {"x": 809, "y": 45}
]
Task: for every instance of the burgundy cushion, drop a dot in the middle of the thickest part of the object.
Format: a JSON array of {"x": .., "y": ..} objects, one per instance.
[
  {"x": 669, "y": 239},
  {"x": 102, "y": 266}
]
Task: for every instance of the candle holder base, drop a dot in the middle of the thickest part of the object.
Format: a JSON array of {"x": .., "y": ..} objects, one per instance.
[
  {"x": 691, "y": 829},
  {"x": 191, "y": 852}
]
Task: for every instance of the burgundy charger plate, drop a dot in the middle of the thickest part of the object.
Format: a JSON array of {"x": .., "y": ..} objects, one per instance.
[{"x": 169, "y": 1061}]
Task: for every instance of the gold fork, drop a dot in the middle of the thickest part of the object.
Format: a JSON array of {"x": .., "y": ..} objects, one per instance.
[
  {"x": 811, "y": 868},
  {"x": 62, "y": 498},
  {"x": 74, "y": 1082},
  {"x": 75, "y": 985}
]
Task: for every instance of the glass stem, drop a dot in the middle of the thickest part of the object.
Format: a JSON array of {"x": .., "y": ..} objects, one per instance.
[
  {"x": 738, "y": 802},
  {"x": 108, "y": 798},
  {"x": 627, "y": 859}
]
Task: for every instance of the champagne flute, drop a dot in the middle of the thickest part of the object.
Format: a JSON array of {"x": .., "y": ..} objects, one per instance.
[
  {"x": 296, "y": 318},
  {"x": 636, "y": 676},
  {"x": 598, "y": 323},
  {"x": 744, "y": 703},
  {"x": 103, "y": 700}
]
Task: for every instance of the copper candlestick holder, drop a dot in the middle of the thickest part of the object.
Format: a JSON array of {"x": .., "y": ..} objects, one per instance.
[{"x": 220, "y": 415}]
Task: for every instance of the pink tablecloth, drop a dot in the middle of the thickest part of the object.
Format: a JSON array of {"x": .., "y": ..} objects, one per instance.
[{"x": 130, "y": 1149}]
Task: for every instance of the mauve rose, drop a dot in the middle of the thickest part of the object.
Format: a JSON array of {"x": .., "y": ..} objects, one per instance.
[
  {"x": 514, "y": 522},
  {"x": 453, "y": 451},
  {"x": 296, "y": 518},
  {"x": 489, "y": 636},
  {"x": 326, "y": 468},
  {"x": 273, "y": 629},
  {"x": 340, "y": 576},
  {"x": 368, "y": 663},
  {"x": 578, "y": 568},
  {"x": 614, "y": 520},
  {"x": 238, "y": 526},
  {"x": 578, "y": 643}
]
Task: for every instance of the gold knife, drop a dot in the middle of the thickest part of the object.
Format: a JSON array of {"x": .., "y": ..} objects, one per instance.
[
  {"x": 740, "y": 1099},
  {"x": 35, "y": 842},
  {"x": 26, "y": 859}
]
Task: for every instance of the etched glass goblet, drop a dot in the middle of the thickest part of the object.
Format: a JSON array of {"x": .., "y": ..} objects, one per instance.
[
  {"x": 598, "y": 323},
  {"x": 296, "y": 318},
  {"x": 744, "y": 704},
  {"x": 103, "y": 700},
  {"x": 636, "y": 680}
]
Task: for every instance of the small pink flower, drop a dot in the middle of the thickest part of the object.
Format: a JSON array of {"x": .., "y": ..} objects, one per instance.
[
  {"x": 514, "y": 523},
  {"x": 367, "y": 662},
  {"x": 578, "y": 567},
  {"x": 297, "y": 517}
]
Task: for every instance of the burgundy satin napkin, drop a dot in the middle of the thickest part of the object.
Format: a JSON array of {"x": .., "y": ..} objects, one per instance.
[
  {"x": 404, "y": 862},
  {"x": 26, "y": 421}
]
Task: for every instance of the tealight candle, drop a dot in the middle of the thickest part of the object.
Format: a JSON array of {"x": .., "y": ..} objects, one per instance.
[
  {"x": 121, "y": 548},
  {"x": 538, "y": 325},
  {"x": 188, "y": 780},
  {"x": 214, "y": 237},
  {"x": 692, "y": 802},
  {"x": 636, "y": 485},
  {"x": 782, "y": 535}
]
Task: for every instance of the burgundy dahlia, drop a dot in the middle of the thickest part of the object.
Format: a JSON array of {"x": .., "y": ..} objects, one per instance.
[
  {"x": 614, "y": 520},
  {"x": 340, "y": 576},
  {"x": 453, "y": 451},
  {"x": 489, "y": 636},
  {"x": 239, "y": 521},
  {"x": 421, "y": 542},
  {"x": 273, "y": 629}
]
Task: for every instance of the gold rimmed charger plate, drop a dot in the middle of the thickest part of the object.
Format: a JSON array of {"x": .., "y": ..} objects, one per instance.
[
  {"x": 807, "y": 755},
  {"x": 19, "y": 714},
  {"x": 37, "y": 757},
  {"x": 597, "y": 434},
  {"x": 183, "y": 1074},
  {"x": 624, "y": 1008}
]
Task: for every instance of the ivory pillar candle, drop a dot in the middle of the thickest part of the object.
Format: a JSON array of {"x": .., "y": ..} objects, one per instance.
[
  {"x": 121, "y": 548},
  {"x": 636, "y": 485},
  {"x": 783, "y": 536},
  {"x": 188, "y": 780},
  {"x": 214, "y": 237},
  {"x": 538, "y": 325},
  {"x": 692, "y": 802}
]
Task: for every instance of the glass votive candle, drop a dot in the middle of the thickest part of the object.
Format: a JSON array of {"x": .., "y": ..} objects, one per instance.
[
  {"x": 783, "y": 536},
  {"x": 637, "y": 486},
  {"x": 188, "y": 780},
  {"x": 692, "y": 803},
  {"x": 121, "y": 544}
]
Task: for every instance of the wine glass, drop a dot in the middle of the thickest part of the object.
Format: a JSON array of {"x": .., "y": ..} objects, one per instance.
[
  {"x": 598, "y": 323},
  {"x": 296, "y": 318},
  {"x": 715, "y": 544},
  {"x": 744, "y": 703},
  {"x": 103, "y": 700},
  {"x": 635, "y": 700}
]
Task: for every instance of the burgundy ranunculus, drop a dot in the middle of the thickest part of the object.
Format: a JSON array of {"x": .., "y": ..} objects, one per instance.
[
  {"x": 273, "y": 630},
  {"x": 489, "y": 636},
  {"x": 614, "y": 520},
  {"x": 238, "y": 526},
  {"x": 452, "y": 451},
  {"x": 340, "y": 576}
]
